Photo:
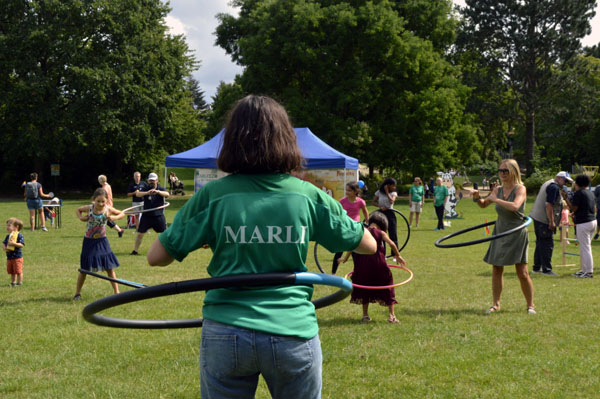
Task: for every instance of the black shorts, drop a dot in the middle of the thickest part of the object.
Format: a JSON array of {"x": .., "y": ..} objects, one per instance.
[{"x": 156, "y": 222}]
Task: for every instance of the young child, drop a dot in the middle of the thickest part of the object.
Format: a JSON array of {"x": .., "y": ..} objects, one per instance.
[
  {"x": 564, "y": 219},
  {"x": 372, "y": 270},
  {"x": 12, "y": 245},
  {"x": 109, "y": 201},
  {"x": 353, "y": 205},
  {"x": 96, "y": 254}
]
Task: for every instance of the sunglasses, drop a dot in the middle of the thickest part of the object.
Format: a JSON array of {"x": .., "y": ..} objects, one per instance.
[{"x": 503, "y": 170}]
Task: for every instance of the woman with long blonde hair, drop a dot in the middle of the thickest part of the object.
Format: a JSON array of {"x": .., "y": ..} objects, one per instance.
[{"x": 509, "y": 198}]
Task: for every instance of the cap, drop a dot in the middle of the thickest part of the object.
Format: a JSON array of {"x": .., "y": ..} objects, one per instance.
[
  {"x": 152, "y": 176},
  {"x": 564, "y": 175}
]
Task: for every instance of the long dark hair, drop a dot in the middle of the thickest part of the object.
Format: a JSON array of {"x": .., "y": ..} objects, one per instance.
[
  {"x": 388, "y": 181},
  {"x": 259, "y": 138}
]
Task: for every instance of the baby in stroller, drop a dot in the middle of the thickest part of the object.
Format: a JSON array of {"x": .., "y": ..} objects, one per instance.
[{"x": 175, "y": 185}]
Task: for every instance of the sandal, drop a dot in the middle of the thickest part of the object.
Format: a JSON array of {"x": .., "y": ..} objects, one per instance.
[
  {"x": 491, "y": 310},
  {"x": 392, "y": 319},
  {"x": 531, "y": 310},
  {"x": 365, "y": 319}
]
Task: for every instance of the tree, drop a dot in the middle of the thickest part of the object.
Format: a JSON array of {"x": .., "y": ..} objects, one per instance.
[
  {"x": 96, "y": 83},
  {"x": 353, "y": 72},
  {"x": 570, "y": 124},
  {"x": 523, "y": 40},
  {"x": 197, "y": 94}
]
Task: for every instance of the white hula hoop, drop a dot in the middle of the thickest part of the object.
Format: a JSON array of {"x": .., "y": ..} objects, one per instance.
[{"x": 135, "y": 209}]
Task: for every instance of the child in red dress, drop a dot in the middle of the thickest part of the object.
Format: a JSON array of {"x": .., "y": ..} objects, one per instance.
[{"x": 372, "y": 270}]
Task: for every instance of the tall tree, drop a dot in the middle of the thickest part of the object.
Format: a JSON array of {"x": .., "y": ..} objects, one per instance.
[
  {"x": 92, "y": 80},
  {"x": 355, "y": 74},
  {"x": 523, "y": 40}
]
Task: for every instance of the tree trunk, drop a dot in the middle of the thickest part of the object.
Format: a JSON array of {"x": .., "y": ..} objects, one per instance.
[{"x": 529, "y": 141}]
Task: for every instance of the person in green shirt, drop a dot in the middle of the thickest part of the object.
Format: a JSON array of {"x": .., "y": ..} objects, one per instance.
[
  {"x": 416, "y": 200},
  {"x": 440, "y": 193},
  {"x": 259, "y": 219}
]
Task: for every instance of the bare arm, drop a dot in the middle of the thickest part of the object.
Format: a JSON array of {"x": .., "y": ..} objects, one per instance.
[
  {"x": 115, "y": 214},
  {"x": 513, "y": 206},
  {"x": 80, "y": 215},
  {"x": 365, "y": 212},
  {"x": 394, "y": 248},
  {"x": 158, "y": 255},
  {"x": 368, "y": 245}
]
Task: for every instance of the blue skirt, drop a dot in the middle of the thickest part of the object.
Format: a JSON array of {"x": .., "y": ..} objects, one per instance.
[{"x": 96, "y": 255}]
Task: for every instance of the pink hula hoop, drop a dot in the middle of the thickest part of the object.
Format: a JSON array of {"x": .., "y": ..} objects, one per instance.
[
  {"x": 383, "y": 287},
  {"x": 135, "y": 209}
]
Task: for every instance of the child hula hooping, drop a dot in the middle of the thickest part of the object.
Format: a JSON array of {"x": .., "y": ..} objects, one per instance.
[
  {"x": 372, "y": 270},
  {"x": 12, "y": 245},
  {"x": 96, "y": 254},
  {"x": 353, "y": 205},
  {"x": 384, "y": 199}
]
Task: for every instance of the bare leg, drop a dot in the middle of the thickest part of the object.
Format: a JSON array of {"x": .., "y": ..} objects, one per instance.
[
  {"x": 138, "y": 241},
  {"x": 410, "y": 217},
  {"x": 365, "y": 307},
  {"x": 111, "y": 273},
  {"x": 418, "y": 215},
  {"x": 42, "y": 218},
  {"x": 19, "y": 278},
  {"x": 80, "y": 281},
  {"x": 32, "y": 218},
  {"x": 526, "y": 283},
  {"x": 497, "y": 285}
]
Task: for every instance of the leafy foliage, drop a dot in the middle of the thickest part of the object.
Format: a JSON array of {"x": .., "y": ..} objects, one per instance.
[
  {"x": 92, "y": 82},
  {"x": 358, "y": 76}
]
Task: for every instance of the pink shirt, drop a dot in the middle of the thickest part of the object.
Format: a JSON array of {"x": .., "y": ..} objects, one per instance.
[{"x": 353, "y": 208}]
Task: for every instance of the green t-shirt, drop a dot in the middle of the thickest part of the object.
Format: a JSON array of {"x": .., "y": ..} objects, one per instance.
[
  {"x": 416, "y": 193},
  {"x": 440, "y": 193},
  {"x": 261, "y": 224}
]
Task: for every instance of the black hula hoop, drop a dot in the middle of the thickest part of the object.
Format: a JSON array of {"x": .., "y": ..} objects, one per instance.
[
  {"x": 439, "y": 244},
  {"x": 115, "y": 280},
  {"x": 399, "y": 249},
  {"x": 181, "y": 287}
]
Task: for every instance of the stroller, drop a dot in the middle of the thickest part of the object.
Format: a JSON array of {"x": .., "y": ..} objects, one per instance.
[{"x": 175, "y": 185}]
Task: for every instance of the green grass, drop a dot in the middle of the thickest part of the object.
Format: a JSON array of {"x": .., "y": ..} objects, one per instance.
[{"x": 443, "y": 347}]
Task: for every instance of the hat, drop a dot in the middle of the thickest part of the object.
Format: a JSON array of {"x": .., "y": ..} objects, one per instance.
[
  {"x": 565, "y": 175},
  {"x": 152, "y": 176}
]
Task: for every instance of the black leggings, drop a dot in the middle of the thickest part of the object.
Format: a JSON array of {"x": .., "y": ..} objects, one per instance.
[
  {"x": 392, "y": 226},
  {"x": 439, "y": 211}
]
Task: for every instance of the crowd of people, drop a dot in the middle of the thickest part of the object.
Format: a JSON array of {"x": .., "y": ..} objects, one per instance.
[{"x": 219, "y": 217}]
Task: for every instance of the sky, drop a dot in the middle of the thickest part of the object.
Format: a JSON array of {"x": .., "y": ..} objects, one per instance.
[{"x": 196, "y": 19}]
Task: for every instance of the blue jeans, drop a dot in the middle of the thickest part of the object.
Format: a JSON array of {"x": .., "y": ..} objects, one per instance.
[
  {"x": 232, "y": 358},
  {"x": 544, "y": 246}
]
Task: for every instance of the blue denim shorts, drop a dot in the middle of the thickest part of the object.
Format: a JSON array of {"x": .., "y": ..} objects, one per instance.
[
  {"x": 232, "y": 358},
  {"x": 33, "y": 204}
]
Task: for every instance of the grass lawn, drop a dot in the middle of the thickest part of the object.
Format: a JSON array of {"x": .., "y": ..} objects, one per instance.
[{"x": 443, "y": 347}]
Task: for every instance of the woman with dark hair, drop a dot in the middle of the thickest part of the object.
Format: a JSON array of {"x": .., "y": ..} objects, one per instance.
[
  {"x": 259, "y": 219},
  {"x": 583, "y": 207},
  {"x": 384, "y": 198}
]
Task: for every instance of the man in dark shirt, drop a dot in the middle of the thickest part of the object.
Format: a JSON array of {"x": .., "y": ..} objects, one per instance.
[{"x": 153, "y": 197}]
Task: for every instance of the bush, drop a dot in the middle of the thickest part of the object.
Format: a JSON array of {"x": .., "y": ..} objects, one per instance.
[{"x": 537, "y": 178}]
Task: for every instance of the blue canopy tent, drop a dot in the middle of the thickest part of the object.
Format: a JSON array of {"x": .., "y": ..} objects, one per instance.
[{"x": 317, "y": 153}]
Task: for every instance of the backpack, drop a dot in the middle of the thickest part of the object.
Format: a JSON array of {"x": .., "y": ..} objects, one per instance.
[{"x": 31, "y": 189}]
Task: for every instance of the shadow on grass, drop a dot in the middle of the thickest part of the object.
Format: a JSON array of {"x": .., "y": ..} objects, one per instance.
[{"x": 65, "y": 299}]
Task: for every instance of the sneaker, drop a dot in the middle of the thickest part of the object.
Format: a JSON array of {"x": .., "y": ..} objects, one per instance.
[
  {"x": 531, "y": 310},
  {"x": 549, "y": 273},
  {"x": 596, "y": 236},
  {"x": 120, "y": 233},
  {"x": 536, "y": 271},
  {"x": 12, "y": 285},
  {"x": 436, "y": 229},
  {"x": 586, "y": 275},
  {"x": 77, "y": 297},
  {"x": 19, "y": 284},
  {"x": 133, "y": 253},
  {"x": 44, "y": 228},
  {"x": 579, "y": 273}
]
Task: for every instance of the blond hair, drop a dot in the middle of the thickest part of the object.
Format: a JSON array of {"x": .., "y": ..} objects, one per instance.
[
  {"x": 513, "y": 170},
  {"x": 15, "y": 222},
  {"x": 101, "y": 179}
]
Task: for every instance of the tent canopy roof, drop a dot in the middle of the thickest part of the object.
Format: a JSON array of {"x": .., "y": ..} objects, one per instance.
[{"x": 317, "y": 153}]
